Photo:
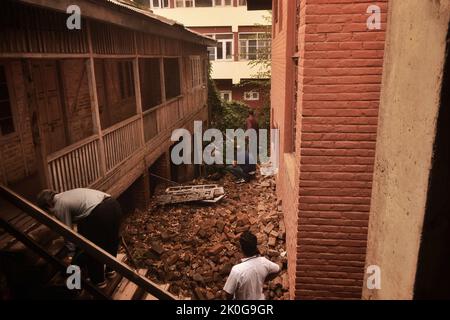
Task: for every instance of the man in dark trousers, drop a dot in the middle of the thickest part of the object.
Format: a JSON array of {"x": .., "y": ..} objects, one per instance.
[
  {"x": 98, "y": 217},
  {"x": 242, "y": 171}
]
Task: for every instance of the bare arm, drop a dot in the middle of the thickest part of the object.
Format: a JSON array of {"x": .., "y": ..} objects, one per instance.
[{"x": 274, "y": 274}]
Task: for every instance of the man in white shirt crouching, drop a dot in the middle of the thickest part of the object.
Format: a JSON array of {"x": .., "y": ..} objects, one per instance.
[{"x": 246, "y": 279}]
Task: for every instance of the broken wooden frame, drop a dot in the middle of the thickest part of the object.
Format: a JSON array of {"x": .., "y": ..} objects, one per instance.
[
  {"x": 90, "y": 248},
  {"x": 209, "y": 193}
]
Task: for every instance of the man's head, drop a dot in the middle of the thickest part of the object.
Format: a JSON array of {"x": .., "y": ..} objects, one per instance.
[
  {"x": 45, "y": 199},
  {"x": 248, "y": 243},
  {"x": 251, "y": 113}
]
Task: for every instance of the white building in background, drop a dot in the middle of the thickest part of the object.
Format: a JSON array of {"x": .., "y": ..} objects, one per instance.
[{"x": 240, "y": 38}]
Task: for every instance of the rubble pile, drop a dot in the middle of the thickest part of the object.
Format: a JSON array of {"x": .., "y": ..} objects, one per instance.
[{"x": 193, "y": 246}]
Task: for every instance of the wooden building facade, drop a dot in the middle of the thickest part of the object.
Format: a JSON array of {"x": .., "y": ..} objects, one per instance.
[{"x": 95, "y": 106}]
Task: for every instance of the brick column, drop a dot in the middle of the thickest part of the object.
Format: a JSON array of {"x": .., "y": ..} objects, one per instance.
[{"x": 340, "y": 72}]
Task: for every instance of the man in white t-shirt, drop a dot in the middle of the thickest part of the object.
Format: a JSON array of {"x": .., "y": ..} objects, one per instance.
[{"x": 246, "y": 279}]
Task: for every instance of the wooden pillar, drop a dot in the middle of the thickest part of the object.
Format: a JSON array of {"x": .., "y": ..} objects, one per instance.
[
  {"x": 40, "y": 147},
  {"x": 163, "y": 80},
  {"x": 137, "y": 90},
  {"x": 90, "y": 68}
]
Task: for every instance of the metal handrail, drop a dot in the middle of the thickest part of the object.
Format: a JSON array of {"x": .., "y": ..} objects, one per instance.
[{"x": 89, "y": 247}]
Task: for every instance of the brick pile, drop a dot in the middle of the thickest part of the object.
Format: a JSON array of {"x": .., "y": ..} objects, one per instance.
[{"x": 193, "y": 247}]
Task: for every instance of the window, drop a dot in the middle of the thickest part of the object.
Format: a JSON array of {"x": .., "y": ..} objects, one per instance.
[
  {"x": 172, "y": 77},
  {"x": 224, "y": 49},
  {"x": 203, "y": 3},
  {"x": 160, "y": 3},
  {"x": 126, "y": 80},
  {"x": 6, "y": 116},
  {"x": 212, "y": 53},
  {"x": 251, "y": 96},
  {"x": 185, "y": 3},
  {"x": 226, "y": 95},
  {"x": 219, "y": 3},
  {"x": 196, "y": 72},
  {"x": 150, "y": 76},
  {"x": 253, "y": 46}
]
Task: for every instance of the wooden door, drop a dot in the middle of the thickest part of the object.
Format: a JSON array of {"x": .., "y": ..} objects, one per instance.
[{"x": 50, "y": 108}]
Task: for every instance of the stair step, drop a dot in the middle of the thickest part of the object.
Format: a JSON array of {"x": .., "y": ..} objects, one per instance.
[
  {"x": 126, "y": 289},
  {"x": 149, "y": 296}
]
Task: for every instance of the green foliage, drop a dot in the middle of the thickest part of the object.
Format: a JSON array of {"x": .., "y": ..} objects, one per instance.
[
  {"x": 233, "y": 115},
  {"x": 225, "y": 115}
]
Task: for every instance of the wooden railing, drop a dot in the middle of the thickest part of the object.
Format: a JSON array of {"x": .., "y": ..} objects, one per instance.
[
  {"x": 150, "y": 124},
  {"x": 121, "y": 141},
  {"x": 80, "y": 164},
  {"x": 167, "y": 116},
  {"x": 75, "y": 166}
]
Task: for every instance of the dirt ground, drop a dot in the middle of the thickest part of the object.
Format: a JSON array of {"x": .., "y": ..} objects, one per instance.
[{"x": 192, "y": 247}]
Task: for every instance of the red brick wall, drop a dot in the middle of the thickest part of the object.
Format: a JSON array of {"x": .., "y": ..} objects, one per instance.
[{"x": 331, "y": 175}]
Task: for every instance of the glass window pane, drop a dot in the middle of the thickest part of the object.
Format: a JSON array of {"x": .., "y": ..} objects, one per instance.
[
  {"x": 203, "y": 3},
  {"x": 219, "y": 50},
  {"x": 224, "y": 36},
  {"x": 212, "y": 53},
  {"x": 229, "y": 48}
]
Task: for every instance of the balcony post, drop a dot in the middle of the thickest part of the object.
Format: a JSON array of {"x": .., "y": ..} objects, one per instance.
[
  {"x": 137, "y": 90},
  {"x": 90, "y": 68}
]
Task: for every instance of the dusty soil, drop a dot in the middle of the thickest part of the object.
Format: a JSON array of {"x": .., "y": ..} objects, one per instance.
[{"x": 193, "y": 246}]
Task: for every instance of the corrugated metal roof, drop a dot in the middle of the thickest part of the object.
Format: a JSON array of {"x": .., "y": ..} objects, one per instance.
[{"x": 153, "y": 16}]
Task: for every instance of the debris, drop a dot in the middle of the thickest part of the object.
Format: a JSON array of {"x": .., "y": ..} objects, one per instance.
[
  {"x": 268, "y": 169},
  {"x": 208, "y": 193},
  {"x": 157, "y": 248},
  {"x": 269, "y": 228},
  {"x": 216, "y": 249},
  {"x": 272, "y": 241},
  {"x": 193, "y": 246}
]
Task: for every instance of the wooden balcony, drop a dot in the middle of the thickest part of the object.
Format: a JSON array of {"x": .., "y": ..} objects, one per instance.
[{"x": 87, "y": 162}]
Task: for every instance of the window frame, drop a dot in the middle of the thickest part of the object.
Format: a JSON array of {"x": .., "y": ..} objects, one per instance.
[
  {"x": 257, "y": 45},
  {"x": 12, "y": 103},
  {"x": 160, "y": 4},
  {"x": 251, "y": 98},
  {"x": 196, "y": 71},
  {"x": 180, "y": 77},
  {"x": 223, "y": 92},
  {"x": 194, "y": 4},
  {"x": 223, "y": 41}
]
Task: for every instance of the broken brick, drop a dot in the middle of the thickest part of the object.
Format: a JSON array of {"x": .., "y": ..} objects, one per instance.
[
  {"x": 216, "y": 249},
  {"x": 272, "y": 241},
  {"x": 269, "y": 228}
]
